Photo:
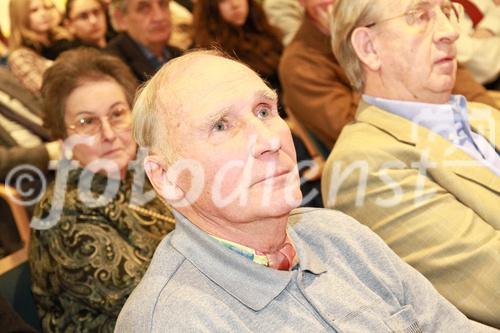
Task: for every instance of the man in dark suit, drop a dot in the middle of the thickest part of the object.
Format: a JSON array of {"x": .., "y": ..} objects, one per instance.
[{"x": 146, "y": 28}]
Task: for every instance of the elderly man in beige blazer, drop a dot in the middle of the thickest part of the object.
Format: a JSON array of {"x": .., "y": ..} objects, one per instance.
[{"x": 419, "y": 166}]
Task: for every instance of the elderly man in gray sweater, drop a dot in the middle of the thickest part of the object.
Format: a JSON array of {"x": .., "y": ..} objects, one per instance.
[{"x": 242, "y": 258}]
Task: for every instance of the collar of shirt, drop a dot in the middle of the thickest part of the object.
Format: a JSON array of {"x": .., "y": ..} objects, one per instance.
[
  {"x": 442, "y": 119},
  {"x": 250, "y": 253},
  {"x": 252, "y": 284},
  {"x": 152, "y": 58}
]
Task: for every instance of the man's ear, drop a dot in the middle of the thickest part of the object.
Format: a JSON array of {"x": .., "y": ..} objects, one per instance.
[
  {"x": 156, "y": 170},
  {"x": 364, "y": 46}
]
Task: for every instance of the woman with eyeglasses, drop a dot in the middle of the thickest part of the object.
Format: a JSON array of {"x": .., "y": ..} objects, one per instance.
[
  {"x": 97, "y": 226},
  {"x": 34, "y": 34}
]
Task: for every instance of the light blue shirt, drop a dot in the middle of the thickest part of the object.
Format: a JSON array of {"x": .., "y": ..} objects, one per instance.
[{"x": 449, "y": 121}]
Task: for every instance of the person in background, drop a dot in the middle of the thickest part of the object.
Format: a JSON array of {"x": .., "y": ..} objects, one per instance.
[
  {"x": 251, "y": 262},
  {"x": 145, "y": 27},
  {"x": 24, "y": 143},
  {"x": 479, "y": 43},
  {"x": 32, "y": 35},
  {"x": 419, "y": 165},
  {"x": 86, "y": 21},
  {"x": 182, "y": 26},
  {"x": 286, "y": 15},
  {"x": 96, "y": 228},
  {"x": 316, "y": 88},
  {"x": 240, "y": 28}
]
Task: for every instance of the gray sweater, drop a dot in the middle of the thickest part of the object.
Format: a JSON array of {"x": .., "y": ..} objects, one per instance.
[{"x": 347, "y": 280}]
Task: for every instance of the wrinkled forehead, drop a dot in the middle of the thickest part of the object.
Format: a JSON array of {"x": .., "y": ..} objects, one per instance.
[{"x": 209, "y": 82}]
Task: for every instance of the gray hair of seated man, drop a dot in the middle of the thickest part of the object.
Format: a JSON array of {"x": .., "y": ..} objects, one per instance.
[{"x": 347, "y": 15}]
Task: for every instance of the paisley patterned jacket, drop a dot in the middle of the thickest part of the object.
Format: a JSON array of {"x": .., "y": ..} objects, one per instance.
[{"x": 86, "y": 265}]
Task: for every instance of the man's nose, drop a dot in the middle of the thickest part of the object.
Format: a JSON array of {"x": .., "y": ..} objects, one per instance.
[
  {"x": 445, "y": 30},
  {"x": 265, "y": 140},
  {"x": 158, "y": 12}
]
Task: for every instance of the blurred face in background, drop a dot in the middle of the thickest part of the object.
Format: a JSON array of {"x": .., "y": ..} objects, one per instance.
[
  {"x": 105, "y": 120},
  {"x": 40, "y": 15},
  {"x": 146, "y": 21},
  {"x": 234, "y": 12},
  {"x": 87, "y": 22}
]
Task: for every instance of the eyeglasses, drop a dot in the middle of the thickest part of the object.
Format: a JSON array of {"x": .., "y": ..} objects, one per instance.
[
  {"x": 119, "y": 119},
  {"x": 423, "y": 13},
  {"x": 85, "y": 16}
]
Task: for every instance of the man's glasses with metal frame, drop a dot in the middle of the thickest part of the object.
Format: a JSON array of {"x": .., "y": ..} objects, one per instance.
[
  {"x": 119, "y": 119},
  {"x": 425, "y": 12}
]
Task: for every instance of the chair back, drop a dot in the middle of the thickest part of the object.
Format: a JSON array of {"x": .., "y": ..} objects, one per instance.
[{"x": 15, "y": 275}]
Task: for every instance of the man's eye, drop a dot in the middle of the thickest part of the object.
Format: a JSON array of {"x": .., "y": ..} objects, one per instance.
[
  {"x": 420, "y": 15},
  {"x": 423, "y": 15},
  {"x": 220, "y": 126},
  {"x": 264, "y": 112}
]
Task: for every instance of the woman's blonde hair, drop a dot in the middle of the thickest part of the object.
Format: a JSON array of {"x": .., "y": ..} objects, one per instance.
[{"x": 21, "y": 34}]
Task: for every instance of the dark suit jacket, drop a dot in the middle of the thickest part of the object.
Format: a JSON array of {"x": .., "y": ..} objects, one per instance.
[{"x": 130, "y": 52}]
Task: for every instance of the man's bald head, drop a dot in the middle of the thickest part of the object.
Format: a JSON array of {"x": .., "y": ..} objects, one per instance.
[{"x": 159, "y": 109}]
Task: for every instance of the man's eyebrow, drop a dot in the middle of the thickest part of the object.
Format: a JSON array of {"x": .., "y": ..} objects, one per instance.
[{"x": 270, "y": 95}]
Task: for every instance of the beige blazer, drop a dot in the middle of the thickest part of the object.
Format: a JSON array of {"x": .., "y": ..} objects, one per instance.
[{"x": 434, "y": 205}]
